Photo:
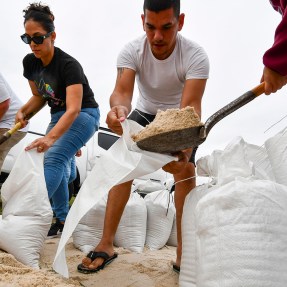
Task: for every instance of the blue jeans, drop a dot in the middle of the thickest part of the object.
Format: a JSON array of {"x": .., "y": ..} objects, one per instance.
[
  {"x": 73, "y": 170},
  {"x": 60, "y": 156}
]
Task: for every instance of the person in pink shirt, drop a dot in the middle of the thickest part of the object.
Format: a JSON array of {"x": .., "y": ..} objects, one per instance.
[{"x": 275, "y": 59}]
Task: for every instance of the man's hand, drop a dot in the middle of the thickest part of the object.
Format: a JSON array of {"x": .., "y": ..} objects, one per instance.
[
  {"x": 115, "y": 116},
  {"x": 273, "y": 81},
  {"x": 175, "y": 167},
  {"x": 20, "y": 117}
]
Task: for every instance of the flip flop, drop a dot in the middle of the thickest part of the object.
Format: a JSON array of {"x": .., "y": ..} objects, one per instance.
[
  {"x": 176, "y": 268},
  {"x": 93, "y": 255}
]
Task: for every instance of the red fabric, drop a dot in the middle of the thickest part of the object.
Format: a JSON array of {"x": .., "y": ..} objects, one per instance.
[{"x": 276, "y": 57}]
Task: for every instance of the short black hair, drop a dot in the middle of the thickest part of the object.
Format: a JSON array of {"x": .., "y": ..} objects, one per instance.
[
  {"x": 160, "y": 5},
  {"x": 40, "y": 13}
]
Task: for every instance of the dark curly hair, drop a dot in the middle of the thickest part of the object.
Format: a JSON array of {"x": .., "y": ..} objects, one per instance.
[{"x": 40, "y": 13}]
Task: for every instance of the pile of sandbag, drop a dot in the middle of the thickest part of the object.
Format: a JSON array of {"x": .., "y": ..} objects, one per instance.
[
  {"x": 146, "y": 221},
  {"x": 27, "y": 214},
  {"x": 235, "y": 227},
  {"x": 123, "y": 162}
]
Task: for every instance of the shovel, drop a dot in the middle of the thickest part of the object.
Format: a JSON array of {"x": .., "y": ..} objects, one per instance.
[
  {"x": 177, "y": 140},
  {"x": 14, "y": 129}
]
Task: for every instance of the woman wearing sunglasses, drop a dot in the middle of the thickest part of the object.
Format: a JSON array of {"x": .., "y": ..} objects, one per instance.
[{"x": 56, "y": 79}]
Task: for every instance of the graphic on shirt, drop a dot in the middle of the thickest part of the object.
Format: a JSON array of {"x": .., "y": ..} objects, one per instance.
[{"x": 48, "y": 94}]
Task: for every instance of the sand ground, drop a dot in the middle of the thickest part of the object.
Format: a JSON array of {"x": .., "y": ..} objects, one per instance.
[{"x": 147, "y": 269}]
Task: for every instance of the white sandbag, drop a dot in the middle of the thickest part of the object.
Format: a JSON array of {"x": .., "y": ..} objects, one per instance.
[
  {"x": 234, "y": 162},
  {"x": 145, "y": 186},
  {"x": 237, "y": 159},
  {"x": 258, "y": 155},
  {"x": 27, "y": 214},
  {"x": 207, "y": 166},
  {"x": 276, "y": 148},
  {"x": 123, "y": 162},
  {"x": 172, "y": 240},
  {"x": 241, "y": 231},
  {"x": 169, "y": 185},
  {"x": 131, "y": 232},
  {"x": 88, "y": 232},
  {"x": 189, "y": 259},
  {"x": 159, "y": 175},
  {"x": 160, "y": 215}
]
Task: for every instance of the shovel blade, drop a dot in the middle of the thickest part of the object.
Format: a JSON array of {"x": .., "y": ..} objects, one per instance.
[{"x": 174, "y": 141}]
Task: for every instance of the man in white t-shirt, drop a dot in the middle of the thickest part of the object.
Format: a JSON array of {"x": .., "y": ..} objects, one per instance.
[
  {"x": 9, "y": 105},
  {"x": 171, "y": 72}
]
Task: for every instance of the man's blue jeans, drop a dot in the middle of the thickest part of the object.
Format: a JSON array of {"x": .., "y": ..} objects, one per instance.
[{"x": 57, "y": 160}]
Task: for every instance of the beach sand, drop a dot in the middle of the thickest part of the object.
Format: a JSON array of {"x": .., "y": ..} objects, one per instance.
[{"x": 147, "y": 269}]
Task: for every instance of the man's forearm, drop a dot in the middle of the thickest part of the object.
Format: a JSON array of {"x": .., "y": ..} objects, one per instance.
[
  {"x": 118, "y": 100},
  {"x": 4, "y": 107}
]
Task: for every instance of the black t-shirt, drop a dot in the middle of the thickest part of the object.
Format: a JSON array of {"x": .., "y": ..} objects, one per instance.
[{"x": 53, "y": 79}]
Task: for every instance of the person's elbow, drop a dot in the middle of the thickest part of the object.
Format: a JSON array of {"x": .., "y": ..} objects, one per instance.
[
  {"x": 4, "y": 106},
  {"x": 73, "y": 112}
]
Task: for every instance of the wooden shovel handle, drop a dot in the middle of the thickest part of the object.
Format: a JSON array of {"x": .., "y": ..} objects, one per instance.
[
  {"x": 259, "y": 90},
  {"x": 233, "y": 106},
  {"x": 15, "y": 128},
  {"x": 18, "y": 126}
]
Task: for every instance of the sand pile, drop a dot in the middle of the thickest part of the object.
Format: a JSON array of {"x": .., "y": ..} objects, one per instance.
[
  {"x": 15, "y": 274},
  {"x": 147, "y": 269},
  {"x": 169, "y": 120}
]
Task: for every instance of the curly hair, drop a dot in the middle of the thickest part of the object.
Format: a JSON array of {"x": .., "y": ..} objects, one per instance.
[{"x": 40, "y": 13}]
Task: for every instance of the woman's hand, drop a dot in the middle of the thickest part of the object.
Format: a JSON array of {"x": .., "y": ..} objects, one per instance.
[{"x": 41, "y": 144}]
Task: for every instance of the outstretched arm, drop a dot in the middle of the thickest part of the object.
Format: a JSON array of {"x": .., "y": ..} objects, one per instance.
[
  {"x": 121, "y": 99},
  {"x": 34, "y": 104},
  {"x": 74, "y": 95}
]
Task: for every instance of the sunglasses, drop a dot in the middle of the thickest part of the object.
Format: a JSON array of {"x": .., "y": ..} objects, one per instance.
[{"x": 36, "y": 39}]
